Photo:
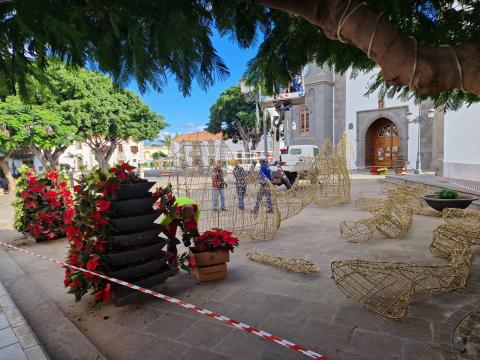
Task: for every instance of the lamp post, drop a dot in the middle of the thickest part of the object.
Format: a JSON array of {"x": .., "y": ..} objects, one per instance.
[{"x": 420, "y": 120}]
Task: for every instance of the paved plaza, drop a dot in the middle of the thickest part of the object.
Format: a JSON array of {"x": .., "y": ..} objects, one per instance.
[{"x": 305, "y": 309}]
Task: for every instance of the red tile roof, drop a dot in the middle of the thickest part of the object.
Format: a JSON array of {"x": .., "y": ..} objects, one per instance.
[{"x": 199, "y": 136}]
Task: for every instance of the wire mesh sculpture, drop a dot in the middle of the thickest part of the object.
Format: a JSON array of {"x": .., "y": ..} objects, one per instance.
[
  {"x": 459, "y": 224},
  {"x": 410, "y": 196},
  {"x": 292, "y": 265},
  {"x": 388, "y": 288},
  {"x": 333, "y": 178},
  {"x": 392, "y": 219},
  {"x": 227, "y": 206}
]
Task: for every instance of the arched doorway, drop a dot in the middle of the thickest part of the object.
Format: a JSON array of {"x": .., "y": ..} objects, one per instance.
[{"x": 382, "y": 143}]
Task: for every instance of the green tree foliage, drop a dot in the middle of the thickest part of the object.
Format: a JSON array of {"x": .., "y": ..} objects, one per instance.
[
  {"x": 31, "y": 127},
  {"x": 148, "y": 40},
  {"x": 232, "y": 115},
  {"x": 101, "y": 113}
]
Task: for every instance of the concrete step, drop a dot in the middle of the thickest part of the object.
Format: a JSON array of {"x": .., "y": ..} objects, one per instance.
[{"x": 61, "y": 339}]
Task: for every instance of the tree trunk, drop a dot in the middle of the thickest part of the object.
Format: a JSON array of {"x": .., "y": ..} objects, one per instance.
[
  {"x": 49, "y": 159},
  {"x": 103, "y": 156},
  {"x": 435, "y": 68},
  {"x": 8, "y": 174}
]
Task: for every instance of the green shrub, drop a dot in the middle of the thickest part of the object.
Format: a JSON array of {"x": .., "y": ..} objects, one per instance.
[{"x": 447, "y": 194}]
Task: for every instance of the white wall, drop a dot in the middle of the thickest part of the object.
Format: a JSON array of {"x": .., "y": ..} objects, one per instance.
[
  {"x": 355, "y": 90},
  {"x": 462, "y": 143}
]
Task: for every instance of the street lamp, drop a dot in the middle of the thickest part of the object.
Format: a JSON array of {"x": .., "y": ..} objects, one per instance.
[{"x": 420, "y": 120}]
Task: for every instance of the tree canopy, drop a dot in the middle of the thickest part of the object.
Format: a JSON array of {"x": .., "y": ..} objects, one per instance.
[
  {"x": 232, "y": 115},
  {"x": 101, "y": 113},
  {"x": 31, "y": 127},
  {"x": 430, "y": 47}
]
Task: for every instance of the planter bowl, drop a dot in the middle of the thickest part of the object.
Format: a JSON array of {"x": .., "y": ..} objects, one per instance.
[
  {"x": 462, "y": 202},
  {"x": 132, "y": 223},
  {"x": 133, "y": 206},
  {"x": 133, "y": 191}
]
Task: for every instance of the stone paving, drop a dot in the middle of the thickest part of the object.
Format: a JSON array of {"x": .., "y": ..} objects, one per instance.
[
  {"x": 17, "y": 341},
  {"x": 306, "y": 309}
]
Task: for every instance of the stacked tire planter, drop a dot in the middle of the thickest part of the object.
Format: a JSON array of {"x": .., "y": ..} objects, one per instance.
[{"x": 136, "y": 251}]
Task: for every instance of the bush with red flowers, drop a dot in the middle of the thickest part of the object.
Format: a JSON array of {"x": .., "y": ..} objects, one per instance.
[
  {"x": 88, "y": 228},
  {"x": 215, "y": 240},
  {"x": 42, "y": 200}
]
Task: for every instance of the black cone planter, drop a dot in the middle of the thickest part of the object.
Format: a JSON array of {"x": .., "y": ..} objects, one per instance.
[{"x": 136, "y": 253}]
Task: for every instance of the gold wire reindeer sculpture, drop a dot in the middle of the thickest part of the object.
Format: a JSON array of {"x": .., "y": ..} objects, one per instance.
[
  {"x": 410, "y": 196},
  {"x": 392, "y": 220},
  {"x": 292, "y": 265},
  {"x": 388, "y": 288},
  {"x": 333, "y": 178},
  {"x": 230, "y": 197},
  {"x": 459, "y": 224}
]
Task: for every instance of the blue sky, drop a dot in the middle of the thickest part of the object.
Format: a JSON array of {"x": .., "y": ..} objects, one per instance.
[{"x": 189, "y": 114}]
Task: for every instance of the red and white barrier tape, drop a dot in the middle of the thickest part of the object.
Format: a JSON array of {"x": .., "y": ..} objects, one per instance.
[{"x": 208, "y": 313}]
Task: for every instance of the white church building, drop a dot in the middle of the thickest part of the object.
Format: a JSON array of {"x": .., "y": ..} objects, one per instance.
[{"x": 380, "y": 132}]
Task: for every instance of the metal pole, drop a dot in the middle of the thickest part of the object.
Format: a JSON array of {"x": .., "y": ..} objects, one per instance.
[
  {"x": 418, "y": 165},
  {"x": 265, "y": 134}
]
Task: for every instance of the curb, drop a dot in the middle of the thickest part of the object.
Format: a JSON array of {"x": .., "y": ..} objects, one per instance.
[
  {"x": 24, "y": 335},
  {"x": 60, "y": 337}
]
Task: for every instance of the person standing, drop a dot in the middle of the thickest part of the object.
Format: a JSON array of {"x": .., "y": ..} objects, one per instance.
[
  {"x": 219, "y": 185},
  {"x": 187, "y": 215},
  {"x": 241, "y": 184},
  {"x": 264, "y": 179}
]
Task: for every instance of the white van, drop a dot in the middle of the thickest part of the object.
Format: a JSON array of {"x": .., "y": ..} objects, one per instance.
[{"x": 296, "y": 158}]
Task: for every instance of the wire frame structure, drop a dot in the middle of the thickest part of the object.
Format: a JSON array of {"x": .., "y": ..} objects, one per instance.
[
  {"x": 333, "y": 178},
  {"x": 392, "y": 220},
  {"x": 464, "y": 220},
  {"x": 194, "y": 164},
  {"x": 410, "y": 196},
  {"x": 388, "y": 288},
  {"x": 292, "y": 265},
  {"x": 459, "y": 224}
]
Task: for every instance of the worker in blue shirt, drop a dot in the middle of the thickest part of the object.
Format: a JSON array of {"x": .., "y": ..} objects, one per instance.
[{"x": 264, "y": 179}]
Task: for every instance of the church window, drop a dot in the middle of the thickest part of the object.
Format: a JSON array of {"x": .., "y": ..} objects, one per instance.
[
  {"x": 388, "y": 130},
  {"x": 304, "y": 120}
]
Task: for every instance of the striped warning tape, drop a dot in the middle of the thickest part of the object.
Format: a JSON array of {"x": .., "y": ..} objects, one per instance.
[{"x": 208, "y": 313}]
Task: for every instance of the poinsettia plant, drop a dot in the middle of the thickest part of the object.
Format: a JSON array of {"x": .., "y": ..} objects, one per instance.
[
  {"x": 41, "y": 202},
  {"x": 215, "y": 240},
  {"x": 88, "y": 228}
]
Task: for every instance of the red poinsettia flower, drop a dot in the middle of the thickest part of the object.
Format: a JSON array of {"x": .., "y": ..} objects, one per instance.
[
  {"x": 52, "y": 175},
  {"x": 68, "y": 215},
  {"x": 76, "y": 188},
  {"x": 99, "y": 219},
  {"x": 192, "y": 262},
  {"x": 102, "y": 205},
  {"x": 72, "y": 231},
  {"x": 36, "y": 188},
  {"x": 99, "y": 245},
  {"x": 31, "y": 204},
  {"x": 31, "y": 179},
  {"x": 26, "y": 194},
  {"x": 105, "y": 294}
]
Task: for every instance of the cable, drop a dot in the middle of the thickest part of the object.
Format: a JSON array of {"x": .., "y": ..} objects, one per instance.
[
  {"x": 373, "y": 34},
  {"x": 345, "y": 17}
]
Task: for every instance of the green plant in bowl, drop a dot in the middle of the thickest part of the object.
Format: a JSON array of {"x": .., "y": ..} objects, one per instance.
[{"x": 447, "y": 194}]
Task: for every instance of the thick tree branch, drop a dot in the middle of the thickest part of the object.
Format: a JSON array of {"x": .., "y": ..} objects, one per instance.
[{"x": 393, "y": 50}]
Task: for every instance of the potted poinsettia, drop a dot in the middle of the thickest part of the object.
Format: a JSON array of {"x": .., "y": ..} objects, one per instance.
[
  {"x": 210, "y": 253},
  {"x": 41, "y": 203}
]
